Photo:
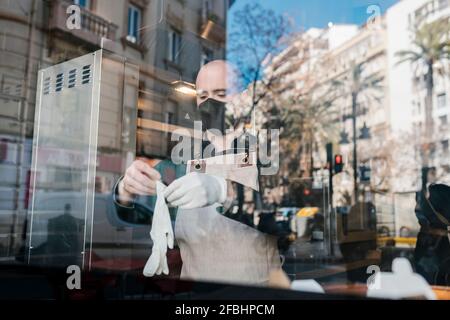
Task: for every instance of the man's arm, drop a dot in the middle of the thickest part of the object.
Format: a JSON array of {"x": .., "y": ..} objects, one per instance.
[{"x": 122, "y": 201}]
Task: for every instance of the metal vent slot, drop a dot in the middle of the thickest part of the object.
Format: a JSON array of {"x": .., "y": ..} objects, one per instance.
[
  {"x": 86, "y": 75},
  {"x": 6, "y": 90},
  {"x": 72, "y": 78},
  {"x": 59, "y": 82},
  {"x": 18, "y": 90},
  {"x": 47, "y": 85}
]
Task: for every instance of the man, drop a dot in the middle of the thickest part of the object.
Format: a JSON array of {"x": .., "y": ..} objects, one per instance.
[{"x": 214, "y": 244}]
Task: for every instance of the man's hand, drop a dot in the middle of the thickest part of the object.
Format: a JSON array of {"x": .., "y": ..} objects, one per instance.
[
  {"x": 196, "y": 190},
  {"x": 139, "y": 179}
]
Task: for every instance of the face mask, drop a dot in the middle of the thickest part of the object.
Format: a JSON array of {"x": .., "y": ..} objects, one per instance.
[{"x": 212, "y": 115}]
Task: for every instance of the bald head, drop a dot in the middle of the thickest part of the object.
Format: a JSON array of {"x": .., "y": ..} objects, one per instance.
[{"x": 214, "y": 80}]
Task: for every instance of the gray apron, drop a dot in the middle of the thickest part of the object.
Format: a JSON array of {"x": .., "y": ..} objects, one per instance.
[{"x": 216, "y": 248}]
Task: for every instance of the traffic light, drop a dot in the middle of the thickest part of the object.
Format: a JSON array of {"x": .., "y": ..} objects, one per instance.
[
  {"x": 338, "y": 163},
  {"x": 307, "y": 191}
]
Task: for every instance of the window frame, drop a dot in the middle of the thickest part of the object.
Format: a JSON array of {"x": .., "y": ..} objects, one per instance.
[
  {"x": 204, "y": 54},
  {"x": 87, "y": 6},
  {"x": 131, "y": 10},
  {"x": 441, "y": 100},
  {"x": 172, "y": 54}
]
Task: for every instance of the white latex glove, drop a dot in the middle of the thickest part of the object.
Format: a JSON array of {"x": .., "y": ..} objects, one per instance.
[
  {"x": 196, "y": 190},
  {"x": 161, "y": 234}
]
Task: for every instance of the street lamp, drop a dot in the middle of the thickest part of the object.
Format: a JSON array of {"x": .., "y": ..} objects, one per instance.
[
  {"x": 184, "y": 87},
  {"x": 364, "y": 135},
  {"x": 365, "y": 132}
]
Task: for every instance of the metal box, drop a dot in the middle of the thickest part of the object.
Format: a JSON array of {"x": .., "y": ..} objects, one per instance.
[{"x": 84, "y": 138}]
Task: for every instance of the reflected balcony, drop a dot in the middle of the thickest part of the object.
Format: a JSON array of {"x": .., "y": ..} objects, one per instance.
[{"x": 93, "y": 27}]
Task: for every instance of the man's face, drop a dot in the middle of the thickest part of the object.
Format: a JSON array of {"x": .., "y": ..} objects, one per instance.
[{"x": 212, "y": 82}]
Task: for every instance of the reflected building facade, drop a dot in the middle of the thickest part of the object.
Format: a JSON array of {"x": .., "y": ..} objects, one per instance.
[
  {"x": 167, "y": 41},
  {"x": 393, "y": 113}
]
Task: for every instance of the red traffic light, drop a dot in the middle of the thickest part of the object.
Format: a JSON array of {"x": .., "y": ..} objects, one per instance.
[{"x": 338, "y": 163}]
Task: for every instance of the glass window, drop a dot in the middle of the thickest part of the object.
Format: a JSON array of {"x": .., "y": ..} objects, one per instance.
[
  {"x": 206, "y": 8},
  {"x": 445, "y": 146},
  {"x": 207, "y": 56},
  {"x": 134, "y": 23},
  {"x": 442, "y": 101},
  {"x": 174, "y": 46},
  {"x": 320, "y": 150},
  {"x": 83, "y": 3}
]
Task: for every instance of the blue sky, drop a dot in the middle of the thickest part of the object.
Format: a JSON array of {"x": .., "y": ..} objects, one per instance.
[{"x": 317, "y": 13}]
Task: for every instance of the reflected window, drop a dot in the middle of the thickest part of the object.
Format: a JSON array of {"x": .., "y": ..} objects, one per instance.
[
  {"x": 445, "y": 146},
  {"x": 206, "y": 8},
  {"x": 170, "y": 118},
  {"x": 441, "y": 100},
  {"x": 207, "y": 56},
  {"x": 174, "y": 46},
  {"x": 83, "y": 3},
  {"x": 432, "y": 150},
  {"x": 134, "y": 23}
]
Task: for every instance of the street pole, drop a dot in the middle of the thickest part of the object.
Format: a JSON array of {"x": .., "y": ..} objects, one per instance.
[
  {"x": 330, "y": 221},
  {"x": 329, "y": 148},
  {"x": 355, "y": 163}
]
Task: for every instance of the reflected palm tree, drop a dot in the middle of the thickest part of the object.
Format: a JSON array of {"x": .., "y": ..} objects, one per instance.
[
  {"x": 306, "y": 122},
  {"x": 430, "y": 45}
]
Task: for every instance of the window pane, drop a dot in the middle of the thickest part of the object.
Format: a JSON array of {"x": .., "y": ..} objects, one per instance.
[
  {"x": 339, "y": 142},
  {"x": 82, "y": 3},
  {"x": 442, "y": 100},
  {"x": 136, "y": 20},
  {"x": 130, "y": 21}
]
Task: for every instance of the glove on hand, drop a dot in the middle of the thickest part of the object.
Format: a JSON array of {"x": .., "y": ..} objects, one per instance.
[{"x": 196, "y": 190}]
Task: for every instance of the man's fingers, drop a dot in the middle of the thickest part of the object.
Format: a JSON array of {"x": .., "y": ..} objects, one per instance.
[
  {"x": 192, "y": 204},
  {"x": 178, "y": 193},
  {"x": 131, "y": 190},
  {"x": 147, "y": 170},
  {"x": 188, "y": 205},
  {"x": 135, "y": 187},
  {"x": 182, "y": 201},
  {"x": 174, "y": 186},
  {"x": 142, "y": 179},
  {"x": 148, "y": 189}
]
